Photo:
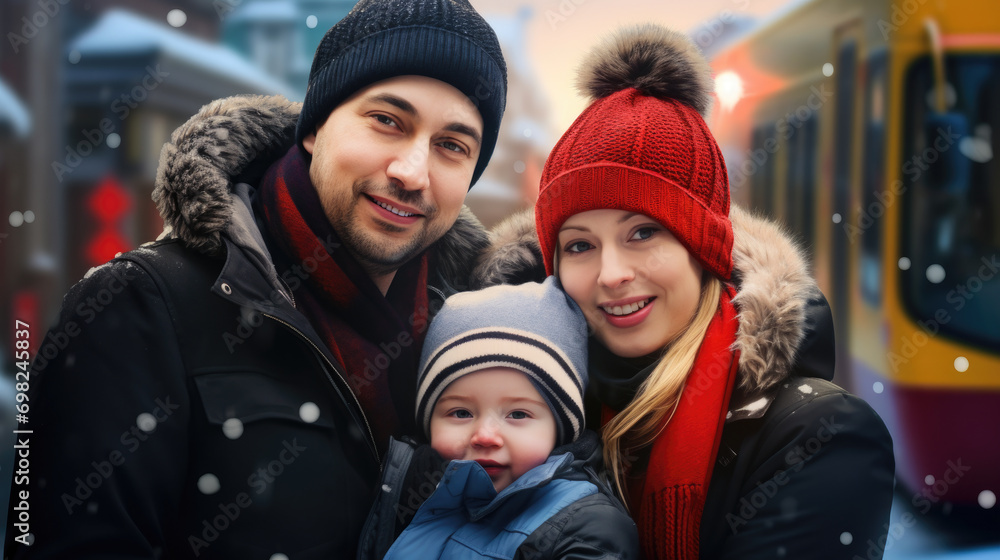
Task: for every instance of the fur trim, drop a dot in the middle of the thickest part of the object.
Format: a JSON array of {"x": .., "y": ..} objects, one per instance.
[
  {"x": 657, "y": 61},
  {"x": 774, "y": 289},
  {"x": 514, "y": 256},
  {"x": 771, "y": 274},
  {"x": 455, "y": 253},
  {"x": 203, "y": 156}
]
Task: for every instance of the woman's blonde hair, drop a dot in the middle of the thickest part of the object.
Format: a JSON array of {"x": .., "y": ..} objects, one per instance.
[{"x": 642, "y": 420}]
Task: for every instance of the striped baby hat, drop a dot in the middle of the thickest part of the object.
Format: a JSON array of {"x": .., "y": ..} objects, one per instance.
[{"x": 533, "y": 328}]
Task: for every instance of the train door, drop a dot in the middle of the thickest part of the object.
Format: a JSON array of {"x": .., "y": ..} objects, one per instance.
[
  {"x": 847, "y": 49},
  {"x": 866, "y": 230}
]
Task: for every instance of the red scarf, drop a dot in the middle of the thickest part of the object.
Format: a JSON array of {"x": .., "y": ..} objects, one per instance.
[
  {"x": 376, "y": 338},
  {"x": 668, "y": 502}
]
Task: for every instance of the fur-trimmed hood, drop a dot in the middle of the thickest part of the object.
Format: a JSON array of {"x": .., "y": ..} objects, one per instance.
[
  {"x": 775, "y": 293},
  {"x": 235, "y": 140}
]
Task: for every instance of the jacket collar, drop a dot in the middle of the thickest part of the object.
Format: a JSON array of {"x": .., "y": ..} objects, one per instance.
[
  {"x": 466, "y": 485},
  {"x": 815, "y": 356},
  {"x": 234, "y": 140}
]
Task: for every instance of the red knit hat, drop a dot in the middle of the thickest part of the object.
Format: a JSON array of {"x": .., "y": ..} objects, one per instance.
[{"x": 643, "y": 146}]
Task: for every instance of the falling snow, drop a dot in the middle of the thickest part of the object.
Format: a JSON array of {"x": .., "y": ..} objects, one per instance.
[
  {"x": 176, "y": 18},
  {"x": 961, "y": 364},
  {"x": 987, "y": 499},
  {"x": 935, "y": 274},
  {"x": 146, "y": 422},
  {"x": 209, "y": 484},
  {"x": 309, "y": 412},
  {"x": 232, "y": 428}
]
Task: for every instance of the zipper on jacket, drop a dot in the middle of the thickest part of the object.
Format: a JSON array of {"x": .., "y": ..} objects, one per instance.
[
  {"x": 371, "y": 436},
  {"x": 291, "y": 295}
]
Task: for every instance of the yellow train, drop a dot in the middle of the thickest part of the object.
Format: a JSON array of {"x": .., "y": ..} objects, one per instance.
[{"x": 868, "y": 128}]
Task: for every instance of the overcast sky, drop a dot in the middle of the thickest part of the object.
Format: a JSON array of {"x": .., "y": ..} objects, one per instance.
[{"x": 562, "y": 31}]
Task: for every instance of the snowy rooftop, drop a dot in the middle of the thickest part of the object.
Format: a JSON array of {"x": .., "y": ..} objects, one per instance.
[
  {"x": 13, "y": 113},
  {"x": 119, "y": 31}
]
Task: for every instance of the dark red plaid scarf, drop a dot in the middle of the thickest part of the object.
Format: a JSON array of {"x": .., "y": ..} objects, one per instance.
[{"x": 376, "y": 338}]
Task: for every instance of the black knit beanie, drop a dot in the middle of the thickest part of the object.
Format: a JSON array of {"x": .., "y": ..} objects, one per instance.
[{"x": 379, "y": 39}]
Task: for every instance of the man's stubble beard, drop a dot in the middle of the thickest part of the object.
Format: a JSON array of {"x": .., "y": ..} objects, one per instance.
[{"x": 376, "y": 256}]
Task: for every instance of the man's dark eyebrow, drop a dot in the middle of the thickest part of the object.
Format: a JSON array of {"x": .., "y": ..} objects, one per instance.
[
  {"x": 466, "y": 130},
  {"x": 397, "y": 102},
  {"x": 408, "y": 107}
]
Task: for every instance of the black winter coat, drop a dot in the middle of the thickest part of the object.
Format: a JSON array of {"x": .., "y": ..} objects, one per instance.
[
  {"x": 183, "y": 407},
  {"x": 804, "y": 470}
]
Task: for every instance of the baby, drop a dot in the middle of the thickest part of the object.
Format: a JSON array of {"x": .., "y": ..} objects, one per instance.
[{"x": 500, "y": 396}]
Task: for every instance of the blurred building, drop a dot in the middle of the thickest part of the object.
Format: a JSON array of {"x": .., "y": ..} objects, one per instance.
[
  {"x": 280, "y": 36},
  {"x": 103, "y": 84},
  {"x": 510, "y": 182}
]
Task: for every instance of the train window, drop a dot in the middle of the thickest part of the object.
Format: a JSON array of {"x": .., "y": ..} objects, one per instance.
[
  {"x": 800, "y": 183},
  {"x": 844, "y": 90},
  {"x": 951, "y": 199},
  {"x": 873, "y": 187},
  {"x": 756, "y": 181},
  {"x": 762, "y": 183},
  {"x": 808, "y": 136}
]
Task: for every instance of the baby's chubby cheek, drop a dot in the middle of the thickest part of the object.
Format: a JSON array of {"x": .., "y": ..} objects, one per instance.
[{"x": 449, "y": 452}]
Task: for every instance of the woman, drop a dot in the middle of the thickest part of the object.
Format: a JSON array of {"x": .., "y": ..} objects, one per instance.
[{"x": 709, "y": 382}]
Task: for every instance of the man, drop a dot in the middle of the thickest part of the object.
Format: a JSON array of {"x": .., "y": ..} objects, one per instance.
[{"x": 227, "y": 391}]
